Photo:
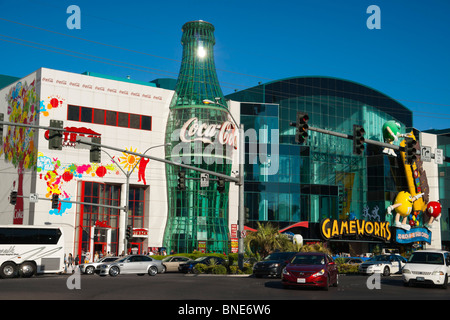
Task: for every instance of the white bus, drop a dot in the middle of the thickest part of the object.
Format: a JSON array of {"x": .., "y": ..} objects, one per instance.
[{"x": 28, "y": 250}]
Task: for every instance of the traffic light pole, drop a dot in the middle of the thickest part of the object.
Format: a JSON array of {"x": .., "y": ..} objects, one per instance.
[
  {"x": 241, "y": 208},
  {"x": 350, "y": 137},
  {"x": 217, "y": 174}
]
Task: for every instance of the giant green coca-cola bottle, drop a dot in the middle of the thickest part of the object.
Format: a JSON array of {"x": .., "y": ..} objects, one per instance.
[{"x": 200, "y": 135}]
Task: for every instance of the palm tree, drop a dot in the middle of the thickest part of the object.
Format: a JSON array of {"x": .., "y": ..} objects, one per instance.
[{"x": 266, "y": 240}]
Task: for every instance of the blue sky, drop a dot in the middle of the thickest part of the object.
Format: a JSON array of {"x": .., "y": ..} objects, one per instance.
[{"x": 256, "y": 41}]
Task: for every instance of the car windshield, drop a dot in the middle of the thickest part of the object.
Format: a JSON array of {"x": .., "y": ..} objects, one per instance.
[
  {"x": 122, "y": 259},
  {"x": 309, "y": 259},
  {"x": 109, "y": 259},
  {"x": 278, "y": 256},
  {"x": 201, "y": 259},
  {"x": 427, "y": 258},
  {"x": 166, "y": 259},
  {"x": 379, "y": 258}
]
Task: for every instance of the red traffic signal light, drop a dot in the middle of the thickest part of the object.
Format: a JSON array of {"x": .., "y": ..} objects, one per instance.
[{"x": 302, "y": 127}]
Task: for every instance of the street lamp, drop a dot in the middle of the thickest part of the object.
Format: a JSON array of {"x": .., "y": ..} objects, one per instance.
[{"x": 241, "y": 208}]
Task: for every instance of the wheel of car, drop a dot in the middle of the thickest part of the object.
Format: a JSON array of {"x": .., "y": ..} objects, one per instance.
[
  {"x": 164, "y": 269},
  {"x": 114, "y": 271},
  {"x": 152, "y": 271},
  {"x": 90, "y": 270},
  {"x": 386, "y": 271},
  {"x": 445, "y": 284},
  {"x": 327, "y": 285},
  {"x": 8, "y": 270}
]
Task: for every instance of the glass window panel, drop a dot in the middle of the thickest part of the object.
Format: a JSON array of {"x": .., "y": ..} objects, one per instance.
[
  {"x": 135, "y": 121},
  {"x": 99, "y": 116},
  {"x": 73, "y": 113},
  {"x": 86, "y": 114},
  {"x": 146, "y": 123},
  {"x": 111, "y": 118},
  {"x": 123, "y": 120}
]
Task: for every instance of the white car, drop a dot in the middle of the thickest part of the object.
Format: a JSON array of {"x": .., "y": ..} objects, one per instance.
[
  {"x": 89, "y": 267},
  {"x": 172, "y": 263},
  {"x": 427, "y": 267},
  {"x": 385, "y": 264}
]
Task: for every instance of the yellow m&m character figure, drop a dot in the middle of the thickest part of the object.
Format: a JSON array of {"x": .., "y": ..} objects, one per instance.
[{"x": 403, "y": 206}]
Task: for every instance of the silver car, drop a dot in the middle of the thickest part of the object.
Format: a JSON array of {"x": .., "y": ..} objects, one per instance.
[
  {"x": 134, "y": 264},
  {"x": 89, "y": 267}
]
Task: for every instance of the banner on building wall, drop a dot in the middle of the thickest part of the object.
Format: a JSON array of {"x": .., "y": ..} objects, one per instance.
[
  {"x": 331, "y": 228},
  {"x": 202, "y": 246},
  {"x": 412, "y": 235},
  {"x": 234, "y": 245},
  {"x": 140, "y": 233}
]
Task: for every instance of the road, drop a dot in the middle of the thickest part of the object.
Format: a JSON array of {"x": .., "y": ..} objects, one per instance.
[{"x": 181, "y": 287}]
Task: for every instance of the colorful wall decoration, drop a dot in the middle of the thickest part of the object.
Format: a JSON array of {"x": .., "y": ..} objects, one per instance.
[
  {"x": 19, "y": 146},
  {"x": 53, "y": 103},
  {"x": 57, "y": 176}
]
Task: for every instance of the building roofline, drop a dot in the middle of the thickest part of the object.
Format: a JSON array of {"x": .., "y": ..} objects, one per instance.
[{"x": 340, "y": 79}]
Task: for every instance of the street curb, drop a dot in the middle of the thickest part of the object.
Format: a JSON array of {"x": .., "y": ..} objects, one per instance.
[{"x": 217, "y": 275}]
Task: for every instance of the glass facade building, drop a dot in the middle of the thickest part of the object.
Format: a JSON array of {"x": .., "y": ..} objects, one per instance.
[{"x": 321, "y": 178}]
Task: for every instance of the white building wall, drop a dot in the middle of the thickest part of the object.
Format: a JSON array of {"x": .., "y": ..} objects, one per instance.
[
  {"x": 56, "y": 90},
  {"x": 431, "y": 169}
]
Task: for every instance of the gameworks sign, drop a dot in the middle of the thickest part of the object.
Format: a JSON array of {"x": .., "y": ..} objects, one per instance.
[{"x": 330, "y": 228}]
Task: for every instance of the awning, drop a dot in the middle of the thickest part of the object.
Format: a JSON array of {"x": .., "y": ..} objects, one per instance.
[{"x": 304, "y": 224}]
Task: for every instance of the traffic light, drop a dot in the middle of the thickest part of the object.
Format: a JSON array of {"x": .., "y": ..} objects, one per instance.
[
  {"x": 221, "y": 185},
  {"x": 129, "y": 233},
  {"x": 94, "y": 153},
  {"x": 302, "y": 127},
  {"x": 410, "y": 150},
  {"x": 13, "y": 197},
  {"x": 247, "y": 215},
  {"x": 181, "y": 180},
  {"x": 358, "y": 139},
  {"x": 55, "y": 136},
  {"x": 55, "y": 201},
  {"x": 1, "y": 130}
]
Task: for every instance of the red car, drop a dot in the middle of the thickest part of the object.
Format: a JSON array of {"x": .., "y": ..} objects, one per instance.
[{"x": 314, "y": 269}]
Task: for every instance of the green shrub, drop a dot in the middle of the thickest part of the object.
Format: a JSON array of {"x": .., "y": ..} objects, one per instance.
[
  {"x": 234, "y": 270},
  {"x": 218, "y": 269},
  {"x": 347, "y": 268},
  {"x": 200, "y": 268}
]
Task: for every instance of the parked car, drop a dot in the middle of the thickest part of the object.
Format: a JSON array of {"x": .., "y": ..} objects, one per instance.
[
  {"x": 89, "y": 268},
  {"x": 133, "y": 264},
  {"x": 427, "y": 267},
  {"x": 353, "y": 260},
  {"x": 315, "y": 269},
  {"x": 385, "y": 264},
  {"x": 188, "y": 267},
  {"x": 172, "y": 263},
  {"x": 273, "y": 264}
]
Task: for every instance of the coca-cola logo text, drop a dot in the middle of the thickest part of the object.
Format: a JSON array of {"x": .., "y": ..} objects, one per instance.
[{"x": 193, "y": 130}]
